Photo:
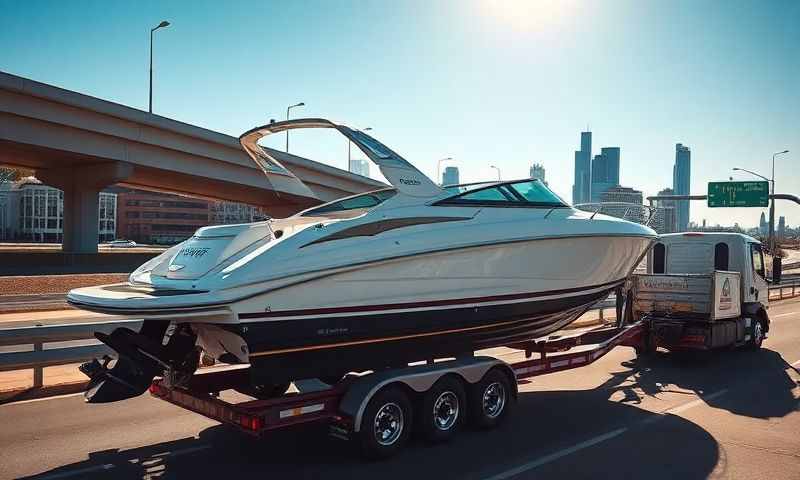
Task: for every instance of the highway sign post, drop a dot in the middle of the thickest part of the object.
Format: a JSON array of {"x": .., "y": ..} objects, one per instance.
[{"x": 738, "y": 194}]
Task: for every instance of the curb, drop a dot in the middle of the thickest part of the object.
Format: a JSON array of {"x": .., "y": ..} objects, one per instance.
[{"x": 31, "y": 393}]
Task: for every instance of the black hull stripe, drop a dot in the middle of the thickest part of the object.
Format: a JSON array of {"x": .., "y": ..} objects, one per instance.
[{"x": 431, "y": 303}]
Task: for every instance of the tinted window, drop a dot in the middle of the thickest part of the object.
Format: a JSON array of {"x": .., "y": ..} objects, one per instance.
[
  {"x": 721, "y": 256},
  {"x": 488, "y": 194},
  {"x": 535, "y": 192},
  {"x": 659, "y": 258},
  {"x": 368, "y": 200}
]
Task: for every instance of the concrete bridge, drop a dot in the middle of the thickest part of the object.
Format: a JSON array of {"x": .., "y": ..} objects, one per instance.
[{"x": 81, "y": 144}]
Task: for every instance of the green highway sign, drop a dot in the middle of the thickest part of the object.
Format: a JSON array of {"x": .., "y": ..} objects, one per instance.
[{"x": 738, "y": 194}]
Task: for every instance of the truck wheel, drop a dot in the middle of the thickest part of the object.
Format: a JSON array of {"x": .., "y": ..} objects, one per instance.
[
  {"x": 386, "y": 423},
  {"x": 490, "y": 399},
  {"x": 443, "y": 409},
  {"x": 757, "y": 335}
]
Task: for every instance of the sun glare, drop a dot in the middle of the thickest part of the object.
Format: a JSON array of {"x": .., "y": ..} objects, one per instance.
[{"x": 527, "y": 15}]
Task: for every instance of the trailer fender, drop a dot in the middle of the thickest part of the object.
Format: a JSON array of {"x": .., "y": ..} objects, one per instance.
[{"x": 417, "y": 378}]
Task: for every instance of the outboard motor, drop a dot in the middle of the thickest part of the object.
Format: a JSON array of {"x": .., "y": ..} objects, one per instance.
[{"x": 141, "y": 356}]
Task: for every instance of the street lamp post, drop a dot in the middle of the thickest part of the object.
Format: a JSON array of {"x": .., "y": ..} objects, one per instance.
[
  {"x": 772, "y": 206},
  {"x": 288, "y": 109},
  {"x": 439, "y": 169},
  {"x": 498, "y": 171},
  {"x": 349, "y": 144},
  {"x": 163, "y": 24}
]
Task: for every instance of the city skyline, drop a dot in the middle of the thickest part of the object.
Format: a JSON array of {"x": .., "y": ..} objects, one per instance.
[{"x": 668, "y": 91}]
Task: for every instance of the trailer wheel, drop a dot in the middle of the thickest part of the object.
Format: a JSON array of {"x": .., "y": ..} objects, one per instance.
[
  {"x": 386, "y": 423},
  {"x": 490, "y": 399},
  {"x": 757, "y": 335},
  {"x": 442, "y": 409}
]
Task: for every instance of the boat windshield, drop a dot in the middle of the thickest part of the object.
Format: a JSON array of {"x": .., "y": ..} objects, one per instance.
[
  {"x": 521, "y": 193},
  {"x": 363, "y": 201}
]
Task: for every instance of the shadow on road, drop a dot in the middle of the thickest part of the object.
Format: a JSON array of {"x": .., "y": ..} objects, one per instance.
[
  {"x": 542, "y": 424},
  {"x": 705, "y": 373}
]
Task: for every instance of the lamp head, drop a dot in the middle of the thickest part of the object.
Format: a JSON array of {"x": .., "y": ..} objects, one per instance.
[{"x": 163, "y": 24}]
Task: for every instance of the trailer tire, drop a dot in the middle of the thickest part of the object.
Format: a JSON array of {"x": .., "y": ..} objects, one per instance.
[
  {"x": 757, "y": 335},
  {"x": 443, "y": 408},
  {"x": 386, "y": 423},
  {"x": 490, "y": 399}
]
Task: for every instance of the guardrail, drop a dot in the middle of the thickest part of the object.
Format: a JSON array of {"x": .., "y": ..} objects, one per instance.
[{"x": 39, "y": 358}]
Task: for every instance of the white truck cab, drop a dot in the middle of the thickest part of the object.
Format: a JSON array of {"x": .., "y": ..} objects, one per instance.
[{"x": 705, "y": 290}]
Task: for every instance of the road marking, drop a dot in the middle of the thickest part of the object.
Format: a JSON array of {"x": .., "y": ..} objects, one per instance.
[
  {"x": 796, "y": 364},
  {"x": 80, "y": 471},
  {"x": 33, "y": 400},
  {"x": 784, "y": 314},
  {"x": 602, "y": 438},
  {"x": 559, "y": 454}
]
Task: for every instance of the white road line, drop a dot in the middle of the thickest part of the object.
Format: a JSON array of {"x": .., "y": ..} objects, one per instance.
[
  {"x": 784, "y": 314},
  {"x": 559, "y": 454},
  {"x": 796, "y": 364},
  {"x": 80, "y": 471},
  {"x": 34, "y": 400},
  {"x": 602, "y": 438}
]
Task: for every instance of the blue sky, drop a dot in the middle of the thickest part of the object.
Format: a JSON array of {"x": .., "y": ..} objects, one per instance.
[{"x": 488, "y": 83}]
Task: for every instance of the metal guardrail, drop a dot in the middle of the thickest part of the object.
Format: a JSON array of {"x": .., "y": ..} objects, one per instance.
[{"x": 39, "y": 358}]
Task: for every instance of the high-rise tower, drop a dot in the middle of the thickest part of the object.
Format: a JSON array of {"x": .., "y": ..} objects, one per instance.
[{"x": 681, "y": 178}]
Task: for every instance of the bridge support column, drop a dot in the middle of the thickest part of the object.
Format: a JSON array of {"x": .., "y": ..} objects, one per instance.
[{"x": 81, "y": 187}]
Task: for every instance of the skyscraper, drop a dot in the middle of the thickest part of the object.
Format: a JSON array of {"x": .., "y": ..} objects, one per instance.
[
  {"x": 605, "y": 172},
  {"x": 763, "y": 226},
  {"x": 681, "y": 177},
  {"x": 359, "y": 166},
  {"x": 781, "y": 234},
  {"x": 537, "y": 171},
  {"x": 450, "y": 176},
  {"x": 581, "y": 188},
  {"x": 665, "y": 220}
]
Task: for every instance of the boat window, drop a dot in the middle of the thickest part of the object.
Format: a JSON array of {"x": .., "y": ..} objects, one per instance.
[
  {"x": 659, "y": 258},
  {"x": 721, "y": 256},
  {"x": 524, "y": 193},
  {"x": 367, "y": 200}
]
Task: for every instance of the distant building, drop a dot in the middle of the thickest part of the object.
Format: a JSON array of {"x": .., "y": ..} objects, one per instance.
[
  {"x": 34, "y": 212},
  {"x": 450, "y": 176},
  {"x": 581, "y": 188},
  {"x": 622, "y": 194},
  {"x": 605, "y": 172},
  {"x": 681, "y": 183},
  {"x": 537, "y": 172},
  {"x": 763, "y": 226},
  {"x": 359, "y": 166},
  {"x": 633, "y": 209},
  {"x": 665, "y": 215},
  {"x": 781, "y": 234}
]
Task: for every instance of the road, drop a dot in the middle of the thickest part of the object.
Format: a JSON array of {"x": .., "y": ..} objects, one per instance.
[{"x": 732, "y": 414}]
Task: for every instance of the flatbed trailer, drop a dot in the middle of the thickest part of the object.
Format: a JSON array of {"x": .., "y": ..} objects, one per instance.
[{"x": 376, "y": 408}]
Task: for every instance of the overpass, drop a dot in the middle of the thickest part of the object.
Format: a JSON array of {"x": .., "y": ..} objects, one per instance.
[{"x": 82, "y": 144}]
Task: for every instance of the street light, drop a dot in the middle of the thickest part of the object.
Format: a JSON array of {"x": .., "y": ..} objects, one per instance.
[
  {"x": 301, "y": 104},
  {"x": 439, "y": 169},
  {"x": 163, "y": 24},
  {"x": 349, "y": 144},
  {"x": 771, "y": 241},
  {"x": 498, "y": 171}
]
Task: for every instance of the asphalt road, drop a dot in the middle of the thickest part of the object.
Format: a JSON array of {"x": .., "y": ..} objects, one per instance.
[{"x": 731, "y": 414}]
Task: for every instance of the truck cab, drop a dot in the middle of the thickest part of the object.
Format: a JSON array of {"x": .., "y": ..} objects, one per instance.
[{"x": 705, "y": 290}]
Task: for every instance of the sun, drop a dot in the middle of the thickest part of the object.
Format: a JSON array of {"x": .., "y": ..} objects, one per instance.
[{"x": 527, "y": 15}]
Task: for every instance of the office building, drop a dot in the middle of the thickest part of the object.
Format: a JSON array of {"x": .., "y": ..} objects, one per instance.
[
  {"x": 781, "y": 233},
  {"x": 763, "y": 225},
  {"x": 581, "y": 188},
  {"x": 359, "y": 166},
  {"x": 665, "y": 214},
  {"x": 681, "y": 183},
  {"x": 537, "y": 172},
  {"x": 633, "y": 209},
  {"x": 33, "y": 212},
  {"x": 450, "y": 176}
]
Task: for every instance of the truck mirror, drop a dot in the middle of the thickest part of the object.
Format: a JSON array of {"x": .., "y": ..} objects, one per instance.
[{"x": 776, "y": 269}]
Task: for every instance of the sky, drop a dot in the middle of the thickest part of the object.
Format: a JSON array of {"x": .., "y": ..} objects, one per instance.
[{"x": 504, "y": 83}]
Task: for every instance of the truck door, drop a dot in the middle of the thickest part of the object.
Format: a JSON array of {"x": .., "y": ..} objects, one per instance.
[{"x": 758, "y": 290}]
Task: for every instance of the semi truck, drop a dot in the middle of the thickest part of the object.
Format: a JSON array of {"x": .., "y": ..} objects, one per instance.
[{"x": 704, "y": 291}]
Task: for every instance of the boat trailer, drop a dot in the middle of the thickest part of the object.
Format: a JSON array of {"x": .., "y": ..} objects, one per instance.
[{"x": 345, "y": 404}]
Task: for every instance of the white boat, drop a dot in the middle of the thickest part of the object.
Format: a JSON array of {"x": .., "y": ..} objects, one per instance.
[{"x": 375, "y": 280}]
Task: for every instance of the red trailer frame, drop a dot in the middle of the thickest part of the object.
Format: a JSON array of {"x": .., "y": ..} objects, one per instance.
[{"x": 257, "y": 417}]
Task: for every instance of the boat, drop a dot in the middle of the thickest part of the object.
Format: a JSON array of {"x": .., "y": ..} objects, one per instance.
[{"x": 376, "y": 280}]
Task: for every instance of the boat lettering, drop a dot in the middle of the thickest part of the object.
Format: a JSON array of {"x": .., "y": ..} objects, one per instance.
[
  {"x": 405, "y": 181},
  {"x": 332, "y": 331},
  {"x": 195, "y": 252}
]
